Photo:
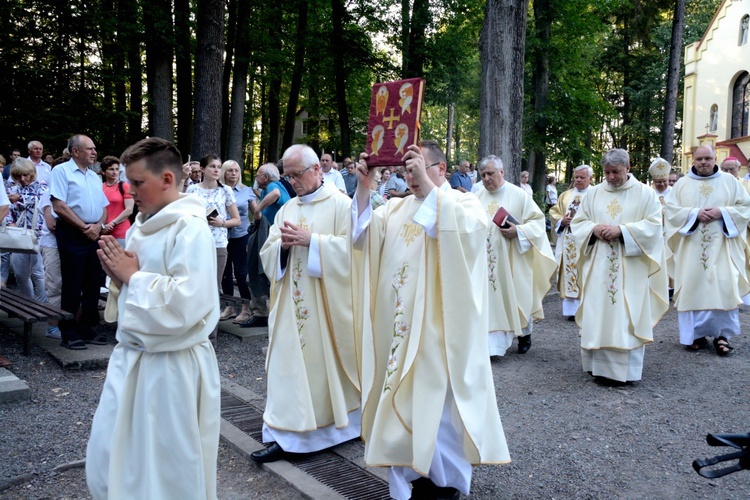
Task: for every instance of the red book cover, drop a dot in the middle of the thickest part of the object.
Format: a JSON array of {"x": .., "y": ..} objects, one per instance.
[
  {"x": 395, "y": 110},
  {"x": 502, "y": 217}
]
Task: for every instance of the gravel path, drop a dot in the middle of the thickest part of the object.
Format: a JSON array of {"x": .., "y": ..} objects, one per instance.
[{"x": 568, "y": 436}]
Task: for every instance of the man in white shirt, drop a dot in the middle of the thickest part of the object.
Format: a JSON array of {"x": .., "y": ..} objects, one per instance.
[
  {"x": 330, "y": 174},
  {"x": 42, "y": 167}
]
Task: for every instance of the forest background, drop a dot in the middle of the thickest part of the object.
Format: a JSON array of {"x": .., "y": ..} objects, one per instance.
[{"x": 231, "y": 76}]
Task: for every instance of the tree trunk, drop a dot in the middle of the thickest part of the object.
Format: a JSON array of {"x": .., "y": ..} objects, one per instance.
[
  {"x": 339, "y": 11},
  {"x": 184, "y": 77},
  {"x": 673, "y": 82},
  {"x": 275, "y": 71},
  {"x": 449, "y": 133},
  {"x": 296, "y": 85},
  {"x": 132, "y": 46},
  {"x": 501, "y": 46},
  {"x": 208, "y": 59},
  {"x": 157, "y": 21},
  {"x": 405, "y": 25},
  {"x": 420, "y": 19},
  {"x": 235, "y": 133},
  {"x": 538, "y": 166},
  {"x": 231, "y": 47}
]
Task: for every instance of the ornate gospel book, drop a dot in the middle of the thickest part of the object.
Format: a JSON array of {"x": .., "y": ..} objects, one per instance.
[{"x": 395, "y": 110}]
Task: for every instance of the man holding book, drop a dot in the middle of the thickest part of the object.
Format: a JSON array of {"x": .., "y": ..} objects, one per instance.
[
  {"x": 561, "y": 215},
  {"x": 520, "y": 261}
]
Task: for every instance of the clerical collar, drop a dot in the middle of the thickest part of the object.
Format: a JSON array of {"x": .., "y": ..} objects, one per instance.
[
  {"x": 307, "y": 198},
  {"x": 694, "y": 174}
]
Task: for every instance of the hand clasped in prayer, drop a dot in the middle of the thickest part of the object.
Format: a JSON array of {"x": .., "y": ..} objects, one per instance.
[
  {"x": 292, "y": 235},
  {"x": 118, "y": 263},
  {"x": 606, "y": 232},
  {"x": 709, "y": 214}
]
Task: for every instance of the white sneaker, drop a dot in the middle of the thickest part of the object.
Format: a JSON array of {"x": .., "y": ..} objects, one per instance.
[{"x": 53, "y": 332}]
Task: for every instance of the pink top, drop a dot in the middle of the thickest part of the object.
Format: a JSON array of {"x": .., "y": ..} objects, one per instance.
[{"x": 116, "y": 206}]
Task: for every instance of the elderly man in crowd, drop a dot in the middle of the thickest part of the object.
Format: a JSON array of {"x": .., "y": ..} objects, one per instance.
[
  {"x": 460, "y": 179},
  {"x": 273, "y": 196},
  {"x": 43, "y": 168},
  {"x": 429, "y": 408},
  {"x": 707, "y": 217},
  {"x": 81, "y": 209},
  {"x": 731, "y": 165},
  {"x": 520, "y": 261},
  {"x": 312, "y": 363},
  {"x": 396, "y": 186},
  {"x": 561, "y": 215},
  {"x": 622, "y": 275},
  {"x": 350, "y": 177},
  {"x": 331, "y": 175}
]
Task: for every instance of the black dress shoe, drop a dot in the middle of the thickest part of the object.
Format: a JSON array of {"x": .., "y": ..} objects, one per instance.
[
  {"x": 524, "y": 344},
  {"x": 255, "y": 321},
  {"x": 270, "y": 454}
]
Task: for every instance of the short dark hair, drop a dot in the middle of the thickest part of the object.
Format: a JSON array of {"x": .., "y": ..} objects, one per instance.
[
  {"x": 435, "y": 151},
  {"x": 158, "y": 155},
  {"x": 108, "y": 161}
]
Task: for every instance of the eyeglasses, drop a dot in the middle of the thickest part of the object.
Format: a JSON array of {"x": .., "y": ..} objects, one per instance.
[
  {"x": 294, "y": 177},
  {"x": 436, "y": 163}
]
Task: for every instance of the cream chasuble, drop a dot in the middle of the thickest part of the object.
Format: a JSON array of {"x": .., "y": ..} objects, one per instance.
[
  {"x": 155, "y": 433},
  {"x": 565, "y": 251},
  {"x": 709, "y": 259},
  {"x": 623, "y": 283},
  {"x": 418, "y": 344},
  {"x": 519, "y": 270},
  {"x": 313, "y": 378}
]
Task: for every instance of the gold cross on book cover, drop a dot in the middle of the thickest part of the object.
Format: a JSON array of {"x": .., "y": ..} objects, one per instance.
[{"x": 395, "y": 110}]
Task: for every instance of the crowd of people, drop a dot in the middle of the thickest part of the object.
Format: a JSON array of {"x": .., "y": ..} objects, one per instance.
[{"x": 352, "y": 273}]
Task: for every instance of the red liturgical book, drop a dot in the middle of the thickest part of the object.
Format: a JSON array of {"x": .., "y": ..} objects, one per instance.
[
  {"x": 394, "y": 125},
  {"x": 502, "y": 217}
]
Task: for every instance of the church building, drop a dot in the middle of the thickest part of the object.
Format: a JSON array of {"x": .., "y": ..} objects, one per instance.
[{"x": 717, "y": 87}]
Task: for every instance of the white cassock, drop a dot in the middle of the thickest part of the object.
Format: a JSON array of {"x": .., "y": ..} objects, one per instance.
[
  {"x": 708, "y": 260},
  {"x": 566, "y": 252},
  {"x": 623, "y": 283},
  {"x": 429, "y": 399},
  {"x": 156, "y": 431},
  {"x": 518, "y": 270},
  {"x": 313, "y": 395}
]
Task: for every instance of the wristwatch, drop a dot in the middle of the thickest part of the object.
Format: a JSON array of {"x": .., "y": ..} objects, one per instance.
[{"x": 103, "y": 226}]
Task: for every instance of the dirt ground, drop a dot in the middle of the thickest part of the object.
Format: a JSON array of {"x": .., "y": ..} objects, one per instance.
[{"x": 569, "y": 436}]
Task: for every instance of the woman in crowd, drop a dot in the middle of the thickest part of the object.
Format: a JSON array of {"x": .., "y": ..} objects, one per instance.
[
  {"x": 385, "y": 174},
  {"x": 231, "y": 175},
  {"x": 120, "y": 200},
  {"x": 221, "y": 212},
  {"x": 25, "y": 195}
]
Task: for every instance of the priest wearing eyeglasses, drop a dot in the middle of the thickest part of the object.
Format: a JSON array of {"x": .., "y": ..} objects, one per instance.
[{"x": 313, "y": 398}]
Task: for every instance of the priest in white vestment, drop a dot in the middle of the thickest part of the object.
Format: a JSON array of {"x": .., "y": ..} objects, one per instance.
[
  {"x": 566, "y": 253},
  {"x": 707, "y": 217},
  {"x": 155, "y": 433},
  {"x": 313, "y": 395},
  {"x": 621, "y": 271},
  {"x": 520, "y": 261},
  {"x": 659, "y": 171},
  {"x": 429, "y": 405}
]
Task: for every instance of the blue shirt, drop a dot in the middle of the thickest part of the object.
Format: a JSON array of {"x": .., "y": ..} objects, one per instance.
[
  {"x": 461, "y": 180},
  {"x": 80, "y": 189},
  {"x": 243, "y": 195},
  {"x": 270, "y": 211}
]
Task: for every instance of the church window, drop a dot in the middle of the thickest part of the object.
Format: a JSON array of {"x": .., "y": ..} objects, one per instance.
[
  {"x": 744, "y": 29},
  {"x": 741, "y": 105},
  {"x": 714, "y": 118}
]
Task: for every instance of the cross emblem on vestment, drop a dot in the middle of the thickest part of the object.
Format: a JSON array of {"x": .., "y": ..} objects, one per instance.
[
  {"x": 392, "y": 118},
  {"x": 614, "y": 208},
  {"x": 706, "y": 189}
]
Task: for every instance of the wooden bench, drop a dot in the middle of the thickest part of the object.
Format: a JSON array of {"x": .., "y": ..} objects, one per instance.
[{"x": 29, "y": 311}]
